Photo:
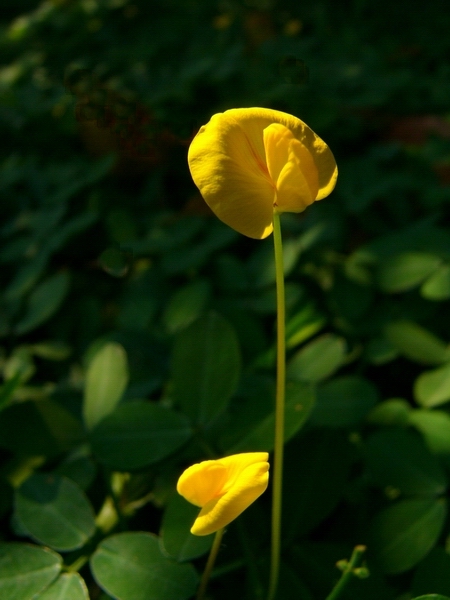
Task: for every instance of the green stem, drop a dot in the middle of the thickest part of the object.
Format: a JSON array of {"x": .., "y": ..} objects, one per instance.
[
  {"x": 348, "y": 572},
  {"x": 279, "y": 411},
  {"x": 209, "y": 564},
  {"x": 77, "y": 565}
]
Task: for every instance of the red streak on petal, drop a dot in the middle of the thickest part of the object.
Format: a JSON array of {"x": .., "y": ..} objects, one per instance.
[{"x": 261, "y": 165}]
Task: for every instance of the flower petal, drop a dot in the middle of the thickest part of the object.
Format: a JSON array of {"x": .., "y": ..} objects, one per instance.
[
  {"x": 292, "y": 169},
  {"x": 202, "y": 482},
  {"x": 219, "y": 512},
  {"x": 254, "y": 120},
  {"x": 227, "y": 160},
  {"x": 237, "y": 463},
  {"x": 232, "y": 177}
]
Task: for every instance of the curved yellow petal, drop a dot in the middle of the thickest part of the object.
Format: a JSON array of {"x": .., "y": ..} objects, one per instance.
[
  {"x": 229, "y": 159},
  {"x": 225, "y": 165},
  {"x": 202, "y": 481},
  {"x": 255, "y": 120},
  {"x": 237, "y": 463},
  {"x": 219, "y": 512},
  {"x": 291, "y": 168}
]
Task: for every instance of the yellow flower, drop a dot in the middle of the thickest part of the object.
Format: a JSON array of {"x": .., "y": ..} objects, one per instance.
[
  {"x": 248, "y": 162},
  {"x": 224, "y": 488}
]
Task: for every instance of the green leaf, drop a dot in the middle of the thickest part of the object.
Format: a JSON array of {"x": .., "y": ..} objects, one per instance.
[
  {"x": 300, "y": 399},
  {"x": 317, "y": 360},
  {"x": 303, "y": 325},
  {"x": 139, "y": 433},
  {"x": 432, "y": 388},
  {"x": 186, "y": 305},
  {"x": 437, "y": 286},
  {"x": 177, "y": 541},
  {"x": 405, "y": 532},
  {"x": 405, "y": 271},
  {"x": 68, "y": 586},
  {"x": 55, "y": 512},
  {"x": 433, "y": 573},
  {"x": 399, "y": 459},
  {"x": 394, "y": 411},
  {"x": 344, "y": 401},
  {"x": 434, "y": 426},
  {"x": 26, "y": 570},
  {"x": 130, "y": 566},
  {"x": 43, "y": 302},
  {"x": 380, "y": 351},
  {"x": 106, "y": 380},
  {"x": 206, "y": 368},
  {"x": 417, "y": 343}
]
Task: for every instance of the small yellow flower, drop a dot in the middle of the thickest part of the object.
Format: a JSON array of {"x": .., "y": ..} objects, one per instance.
[
  {"x": 248, "y": 162},
  {"x": 224, "y": 488}
]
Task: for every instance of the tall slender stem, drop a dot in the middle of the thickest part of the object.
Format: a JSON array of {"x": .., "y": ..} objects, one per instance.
[
  {"x": 279, "y": 412},
  {"x": 209, "y": 564}
]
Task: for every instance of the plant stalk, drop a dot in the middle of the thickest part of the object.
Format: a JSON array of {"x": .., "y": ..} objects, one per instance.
[
  {"x": 279, "y": 412},
  {"x": 209, "y": 564}
]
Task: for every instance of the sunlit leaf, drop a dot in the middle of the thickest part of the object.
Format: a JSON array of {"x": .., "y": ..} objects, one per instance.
[
  {"x": 437, "y": 286},
  {"x": 317, "y": 360},
  {"x": 434, "y": 426},
  {"x": 432, "y": 388},
  {"x": 405, "y": 271},
  {"x": 417, "y": 343},
  {"x": 394, "y": 411},
  {"x": 106, "y": 380}
]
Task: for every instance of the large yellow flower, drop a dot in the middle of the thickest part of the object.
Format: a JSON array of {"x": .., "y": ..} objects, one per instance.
[
  {"x": 224, "y": 488},
  {"x": 248, "y": 162}
]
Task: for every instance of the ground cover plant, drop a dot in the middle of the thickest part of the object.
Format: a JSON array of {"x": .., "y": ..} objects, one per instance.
[{"x": 138, "y": 330}]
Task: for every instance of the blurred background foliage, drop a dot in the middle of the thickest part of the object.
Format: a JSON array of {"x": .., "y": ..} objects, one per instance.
[{"x": 137, "y": 331}]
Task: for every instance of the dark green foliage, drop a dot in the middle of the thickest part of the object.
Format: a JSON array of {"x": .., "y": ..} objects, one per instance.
[{"x": 137, "y": 331}]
